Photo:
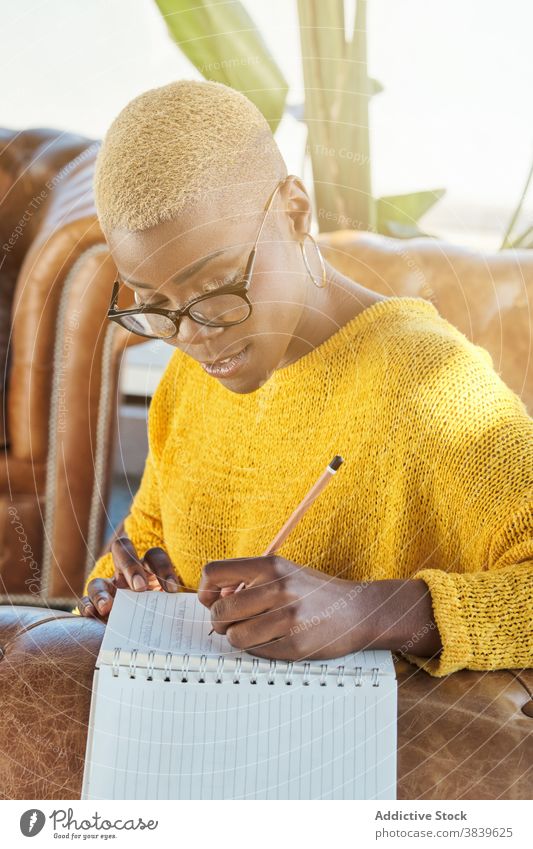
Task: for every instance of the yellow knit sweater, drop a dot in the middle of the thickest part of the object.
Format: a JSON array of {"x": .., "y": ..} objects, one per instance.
[{"x": 437, "y": 481}]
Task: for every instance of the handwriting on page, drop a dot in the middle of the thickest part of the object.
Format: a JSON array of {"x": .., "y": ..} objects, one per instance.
[
  {"x": 175, "y": 622},
  {"x": 179, "y": 623}
]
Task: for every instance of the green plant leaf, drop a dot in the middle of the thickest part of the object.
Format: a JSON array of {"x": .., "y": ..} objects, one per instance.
[
  {"x": 400, "y": 230},
  {"x": 525, "y": 240},
  {"x": 224, "y": 44},
  {"x": 406, "y": 209},
  {"x": 337, "y": 92},
  {"x": 518, "y": 241},
  {"x": 375, "y": 86}
]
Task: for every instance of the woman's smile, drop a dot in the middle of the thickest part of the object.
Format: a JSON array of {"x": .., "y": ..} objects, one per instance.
[{"x": 228, "y": 366}]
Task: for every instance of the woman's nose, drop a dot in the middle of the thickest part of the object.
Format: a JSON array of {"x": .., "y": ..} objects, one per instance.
[{"x": 192, "y": 333}]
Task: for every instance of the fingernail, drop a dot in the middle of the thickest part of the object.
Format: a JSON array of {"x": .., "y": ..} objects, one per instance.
[
  {"x": 101, "y": 605},
  {"x": 138, "y": 582}
]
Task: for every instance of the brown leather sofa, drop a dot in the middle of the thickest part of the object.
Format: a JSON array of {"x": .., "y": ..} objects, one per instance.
[
  {"x": 61, "y": 374},
  {"x": 64, "y": 355},
  {"x": 464, "y": 736}
]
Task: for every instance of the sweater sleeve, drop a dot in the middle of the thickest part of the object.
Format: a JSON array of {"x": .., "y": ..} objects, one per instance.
[
  {"x": 480, "y": 439},
  {"x": 143, "y": 524}
]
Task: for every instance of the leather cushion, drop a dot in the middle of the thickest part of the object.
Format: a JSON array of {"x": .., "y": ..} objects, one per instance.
[{"x": 460, "y": 737}]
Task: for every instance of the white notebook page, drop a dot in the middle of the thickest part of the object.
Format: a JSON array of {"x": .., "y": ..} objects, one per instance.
[
  {"x": 178, "y": 623},
  {"x": 172, "y": 740}
]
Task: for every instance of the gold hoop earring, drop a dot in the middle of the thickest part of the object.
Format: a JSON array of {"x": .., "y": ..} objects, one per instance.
[{"x": 323, "y": 282}]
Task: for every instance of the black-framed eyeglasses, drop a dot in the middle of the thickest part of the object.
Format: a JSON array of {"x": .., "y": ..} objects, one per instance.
[{"x": 227, "y": 306}]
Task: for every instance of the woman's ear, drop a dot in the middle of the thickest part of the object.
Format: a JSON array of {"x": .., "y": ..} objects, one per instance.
[{"x": 297, "y": 205}]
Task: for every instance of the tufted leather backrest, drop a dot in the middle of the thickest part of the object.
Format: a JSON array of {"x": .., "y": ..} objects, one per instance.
[
  {"x": 487, "y": 295},
  {"x": 64, "y": 359}
]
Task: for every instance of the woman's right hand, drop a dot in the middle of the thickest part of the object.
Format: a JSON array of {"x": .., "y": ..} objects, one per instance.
[{"x": 152, "y": 572}]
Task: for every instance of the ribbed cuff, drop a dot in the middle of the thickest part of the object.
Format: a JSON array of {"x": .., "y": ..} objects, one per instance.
[{"x": 456, "y": 650}]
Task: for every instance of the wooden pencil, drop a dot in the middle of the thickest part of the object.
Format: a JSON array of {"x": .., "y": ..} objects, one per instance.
[{"x": 300, "y": 511}]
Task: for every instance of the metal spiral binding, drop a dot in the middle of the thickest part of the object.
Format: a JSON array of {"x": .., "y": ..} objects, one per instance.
[
  {"x": 288, "y": 674},
  {"x": 253, "y": 674},
  {"x": 133, "y": 663},
  {"x": 201, "y": 669},
  {"x": 150, "y": 667},
  {"x": 115, "y": 663},
  {"x": 271, "y": 675}
]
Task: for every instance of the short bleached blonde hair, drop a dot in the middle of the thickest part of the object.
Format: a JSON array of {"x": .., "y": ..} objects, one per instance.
[{"x": 171, "y": 146}]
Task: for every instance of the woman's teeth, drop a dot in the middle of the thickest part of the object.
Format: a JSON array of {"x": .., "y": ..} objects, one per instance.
[{"x": 227, "y": 366}]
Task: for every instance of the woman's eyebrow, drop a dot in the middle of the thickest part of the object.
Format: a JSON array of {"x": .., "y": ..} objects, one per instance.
[
  {"x": 209, "y": 286},
  {"x": 187, "y": 272},
  {"x": 196, "y": 266}
]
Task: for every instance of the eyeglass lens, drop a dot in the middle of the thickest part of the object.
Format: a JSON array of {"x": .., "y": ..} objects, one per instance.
[{"x": 217, "y": 311}]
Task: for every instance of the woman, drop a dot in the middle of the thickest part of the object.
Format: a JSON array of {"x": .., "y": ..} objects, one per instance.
[{"x": 423, "y": 543}]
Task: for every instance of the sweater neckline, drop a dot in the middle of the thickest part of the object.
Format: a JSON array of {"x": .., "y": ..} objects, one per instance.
[{"x": 392, "y": 305}]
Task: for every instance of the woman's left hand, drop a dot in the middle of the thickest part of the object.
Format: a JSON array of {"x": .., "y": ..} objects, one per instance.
[{"x": 285, "y": 611}]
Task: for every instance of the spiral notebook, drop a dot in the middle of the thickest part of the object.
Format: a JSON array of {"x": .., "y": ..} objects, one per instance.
[{"x": 178, "y": 714}]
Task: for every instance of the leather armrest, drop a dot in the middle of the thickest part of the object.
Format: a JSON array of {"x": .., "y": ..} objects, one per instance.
[
  {"x": 47, "y": 661},
  {"x": 465, "y": 736}
]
